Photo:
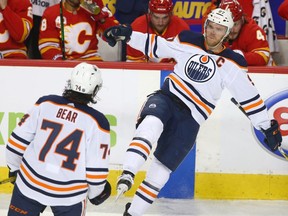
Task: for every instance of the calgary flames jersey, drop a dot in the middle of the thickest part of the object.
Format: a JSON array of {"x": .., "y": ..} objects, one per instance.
[
  {"x": 80, "y": 34},
  {"x": 175, "y": 26},
  {"x": 15, "y": 26},
  {"x": 253, "y": 43},
  {"x": 199, "y": 77},
  {"x": 61, "y": 150}
]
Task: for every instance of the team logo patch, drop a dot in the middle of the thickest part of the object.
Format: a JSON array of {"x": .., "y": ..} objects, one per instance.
[
  {"x": 200, "y": 68},
  {"x": 152, "y": 106},
  {"x": 277, "y": 106}
]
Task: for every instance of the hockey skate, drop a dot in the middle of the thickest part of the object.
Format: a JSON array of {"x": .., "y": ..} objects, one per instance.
[
  {"x": 126, "y": 210},
  {"x": 124, "y": 183}
]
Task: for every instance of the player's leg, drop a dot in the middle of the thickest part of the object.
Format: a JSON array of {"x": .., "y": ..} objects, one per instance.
[
  {"x": 174, "y": 144},
  {"x": 154, "y": 115},
  {"x": 138, "y": 151},
  {"x": 147, "y": 192},
  {"x": 78, "y": 209},
  {"x": 21, "y": 205}
]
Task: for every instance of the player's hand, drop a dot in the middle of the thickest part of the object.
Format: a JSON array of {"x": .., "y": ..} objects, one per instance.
[
  {"x": 273, "y": 137},
  {"x": 103, "y": 196},
  {"x": 118, "y": 33}
]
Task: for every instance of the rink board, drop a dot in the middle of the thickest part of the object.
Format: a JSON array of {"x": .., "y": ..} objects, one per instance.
[{"x": 230, "y": 161}]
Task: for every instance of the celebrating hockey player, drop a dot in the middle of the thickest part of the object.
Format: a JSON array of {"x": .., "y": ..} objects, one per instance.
[
  {"x": 60, "y": 151},
  {"x": 171, "y": 116}
]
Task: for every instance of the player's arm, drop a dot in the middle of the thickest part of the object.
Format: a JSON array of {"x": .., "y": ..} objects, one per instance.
[
  {"x": 243, "y": 90},
  {"x": 49, "y": 38},
  {"x": 150, "y": 44},
  {"x": 20, "y": 138},
  {"x": 19, "y": 21},
  {"x": 251, "y": 103},
  {"x": 97, "y": 164}
]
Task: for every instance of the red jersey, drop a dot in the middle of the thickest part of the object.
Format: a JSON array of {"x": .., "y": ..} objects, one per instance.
[
  {"x": 15, "y": 26},
  {"x": 175, "y": 26},
  {"x": 253, "y": 43},
  {"x": 283, "y": 10},
  {"x": 80, "y": 34}
]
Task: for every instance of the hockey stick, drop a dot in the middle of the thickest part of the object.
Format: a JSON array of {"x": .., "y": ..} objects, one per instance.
[
  {"x": 62, "y": 31},
  {"x": 243, "y": 111},
  {"x": 10, "y": 179}
]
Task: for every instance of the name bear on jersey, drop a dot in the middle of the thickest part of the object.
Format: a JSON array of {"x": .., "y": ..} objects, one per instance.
[{"x": 200, "y": 68}]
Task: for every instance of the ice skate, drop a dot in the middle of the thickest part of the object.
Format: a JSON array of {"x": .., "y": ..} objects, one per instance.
[{"x": 124, "y": 184}]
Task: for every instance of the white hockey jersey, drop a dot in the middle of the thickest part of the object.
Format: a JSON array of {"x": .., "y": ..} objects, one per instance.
[
  {"x": 199, "y": 77},
  {"x": 61, "y": 150}
]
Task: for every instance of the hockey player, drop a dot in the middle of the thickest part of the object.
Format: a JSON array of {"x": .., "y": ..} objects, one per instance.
[
  {"x": 171, "y": 117},
  {"x": 247, "y": 37},
  {"x": 15, "y": 26},
  {"x": 160, "y": 21},
  {"x": 60, "y": 151},
  {"x": 71, "y": 33}
]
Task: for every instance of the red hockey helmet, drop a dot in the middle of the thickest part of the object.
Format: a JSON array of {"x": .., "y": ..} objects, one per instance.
[
  {"x": 161, "y": 6},
  {"x": 235, "y": 8}
]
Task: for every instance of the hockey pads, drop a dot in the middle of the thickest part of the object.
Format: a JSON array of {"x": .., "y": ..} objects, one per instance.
[
  {"x": 118, "y": 33},
  {"x": 103, "y": 196},
  {"x": 273, "y": 137}
]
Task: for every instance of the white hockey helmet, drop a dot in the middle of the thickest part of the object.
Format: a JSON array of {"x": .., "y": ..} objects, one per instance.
[
  {"x": 85, "y": 78},
  {"x": 221, "y": 17}
]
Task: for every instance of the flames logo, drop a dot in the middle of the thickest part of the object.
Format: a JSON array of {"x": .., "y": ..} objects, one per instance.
[{"x": 200, "y": 68}]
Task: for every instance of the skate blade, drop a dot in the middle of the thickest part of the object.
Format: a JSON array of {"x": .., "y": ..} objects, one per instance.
[{"x": 120, "y": 191}]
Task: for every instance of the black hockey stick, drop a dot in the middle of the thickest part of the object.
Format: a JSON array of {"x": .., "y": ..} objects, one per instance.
[
  {"x": 10, "y": 179},
  {"x": 62, "y": 31},
  {"x": 243, "y": 111}
]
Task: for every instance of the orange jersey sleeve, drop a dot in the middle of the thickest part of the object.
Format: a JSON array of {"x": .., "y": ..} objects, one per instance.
[
  {"x": 175, "y": 26},
  {"x": 15, "y": 27},
  {"x": 253, "y": 43}
]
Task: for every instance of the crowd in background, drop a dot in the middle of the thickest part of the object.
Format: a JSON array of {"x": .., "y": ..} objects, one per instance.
[{"x": 70, "y": 29}]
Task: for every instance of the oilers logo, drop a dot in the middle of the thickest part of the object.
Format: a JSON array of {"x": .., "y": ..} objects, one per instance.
[
  {"x": 200, "y": 68},
  {"x": 277, "y": 106}
]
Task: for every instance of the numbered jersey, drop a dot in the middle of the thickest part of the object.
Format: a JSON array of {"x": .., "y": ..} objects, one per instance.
[
  {"x": 199, "y": 77},
  {"x": 61, "y": 150},
  {"x": 80, "y": 30},
  {"x": 15, "y": 26},
  {"x": 253, "y": 43}
]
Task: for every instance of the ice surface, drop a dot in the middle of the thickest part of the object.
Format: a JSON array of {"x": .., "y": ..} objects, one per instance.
[{"x": 176, "y": 207}]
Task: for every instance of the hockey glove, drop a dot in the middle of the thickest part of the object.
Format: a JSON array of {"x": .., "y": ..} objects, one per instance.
[
  {"x": 103, "y": 196},
  {"x": 273, "y": 137},
  {"x": 118, "y": 33}
]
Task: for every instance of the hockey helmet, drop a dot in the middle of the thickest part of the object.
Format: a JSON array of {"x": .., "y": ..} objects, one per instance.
[
  {"x": 234, "y": 6},
  {"x": 161, "y": 6},
  {"x": 222, "y": 17},
  {"x": 86, "y": 78}
]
